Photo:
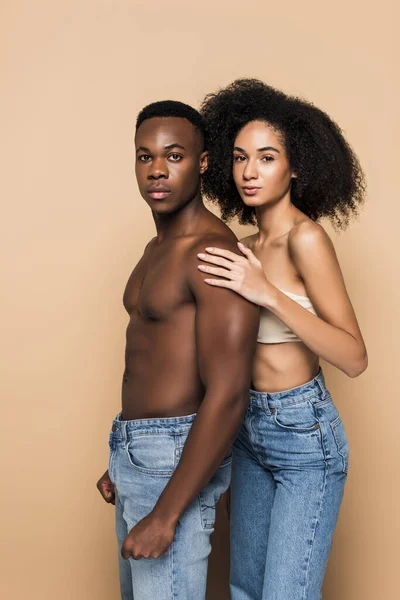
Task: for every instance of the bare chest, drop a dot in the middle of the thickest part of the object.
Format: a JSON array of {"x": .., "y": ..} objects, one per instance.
[{"x": 157, "y": 287}]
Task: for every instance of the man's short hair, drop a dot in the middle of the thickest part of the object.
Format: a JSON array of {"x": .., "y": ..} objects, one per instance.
[{"x": 173, "y": 108}]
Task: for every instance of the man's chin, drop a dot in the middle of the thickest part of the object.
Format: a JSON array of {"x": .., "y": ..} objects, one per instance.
[{"x": 163, "y": 207}]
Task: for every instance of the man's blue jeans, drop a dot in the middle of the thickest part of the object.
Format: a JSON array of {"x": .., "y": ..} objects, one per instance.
[
  {"x": 289, "y": 468},
  {"x": 143, "y": 456}
]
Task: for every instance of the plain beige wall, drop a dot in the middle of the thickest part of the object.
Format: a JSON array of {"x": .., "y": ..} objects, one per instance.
[{"x": 73, "y": 76}]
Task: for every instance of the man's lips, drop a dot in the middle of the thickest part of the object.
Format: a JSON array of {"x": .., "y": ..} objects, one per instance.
[
  {"x": 250, "y": 190},
  {"x": 158, "y": 192}
]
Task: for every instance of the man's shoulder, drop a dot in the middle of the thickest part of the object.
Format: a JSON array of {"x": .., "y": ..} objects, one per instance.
[
  {"x": 217, "y": 239},
  {"x": 212, "y": 239},
  {"x": 150, "y": 244}
]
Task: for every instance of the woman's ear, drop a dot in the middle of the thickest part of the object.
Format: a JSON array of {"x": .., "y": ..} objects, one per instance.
[{"x": 203, "y": 162}]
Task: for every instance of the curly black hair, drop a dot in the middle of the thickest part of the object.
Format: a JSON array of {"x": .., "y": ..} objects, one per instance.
[
  {"x": 329, "y": 180},
  {"x": 173, "y": 108}
]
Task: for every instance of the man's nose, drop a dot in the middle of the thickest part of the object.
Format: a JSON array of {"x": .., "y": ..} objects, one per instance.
[
  {"x": 250, "y": 170},
  {"x": 158, "y": 169}
]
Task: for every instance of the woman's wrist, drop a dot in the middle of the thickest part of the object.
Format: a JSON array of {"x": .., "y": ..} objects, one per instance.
[{"x": 270, "y": 297}]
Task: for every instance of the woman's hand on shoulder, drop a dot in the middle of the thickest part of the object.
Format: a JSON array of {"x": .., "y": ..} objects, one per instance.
[{"x": 242, "y": 274}]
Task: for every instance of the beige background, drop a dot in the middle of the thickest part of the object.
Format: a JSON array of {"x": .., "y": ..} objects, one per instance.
[{"x": 73, "y": 76}]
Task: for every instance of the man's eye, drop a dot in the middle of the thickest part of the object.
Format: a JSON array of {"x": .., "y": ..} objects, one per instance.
[
  {"x": 175, "y": 157},
  {"x": 144, "y": 157}
]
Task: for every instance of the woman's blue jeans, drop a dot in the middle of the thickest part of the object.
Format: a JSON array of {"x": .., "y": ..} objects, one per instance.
[{"x": 289, "y": 468}]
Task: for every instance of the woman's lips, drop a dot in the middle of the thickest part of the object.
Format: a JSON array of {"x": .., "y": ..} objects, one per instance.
[{"x": 250, "y": 191}]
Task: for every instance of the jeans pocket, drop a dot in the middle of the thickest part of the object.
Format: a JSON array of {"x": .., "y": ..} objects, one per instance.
[
  {"x": 299, "y": 417},
  {"x": 152, "y": 454},
  {"x": 209, "y": 497},
  {"x": 342, "y": 445}
]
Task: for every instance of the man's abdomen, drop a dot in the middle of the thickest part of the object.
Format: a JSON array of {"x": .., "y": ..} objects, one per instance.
[{"x": 161, "y": 377}]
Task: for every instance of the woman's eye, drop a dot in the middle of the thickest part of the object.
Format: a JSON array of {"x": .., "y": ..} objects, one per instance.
[
  {"x": 175, "y": 157},
  {"x": 267, "y": 158},
  {"x": 239, "y": 158}
]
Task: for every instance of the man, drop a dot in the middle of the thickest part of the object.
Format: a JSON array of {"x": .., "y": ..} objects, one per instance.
[{"x": 189, "y": 350}]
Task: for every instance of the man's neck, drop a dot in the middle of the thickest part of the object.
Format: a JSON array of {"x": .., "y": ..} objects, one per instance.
[{"x": 182, "y": 222}]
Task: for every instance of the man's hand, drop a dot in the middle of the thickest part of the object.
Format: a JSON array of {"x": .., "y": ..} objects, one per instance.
[
  {"x": 106, "y": 488},
  {"x": 150, "y": 538}
]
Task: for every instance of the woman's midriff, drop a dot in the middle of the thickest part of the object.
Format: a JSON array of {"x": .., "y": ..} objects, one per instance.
[{"x": 279, "y": 367}]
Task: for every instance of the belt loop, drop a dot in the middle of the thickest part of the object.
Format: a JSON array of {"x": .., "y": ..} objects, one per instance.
[
  {"x": 321, "y": 382},
  {"x": 124, "y": 434},
  {"x": 266, "y": 405}
]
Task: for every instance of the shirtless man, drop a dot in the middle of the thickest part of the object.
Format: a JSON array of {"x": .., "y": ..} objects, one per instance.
[{"x": 189, "y": 349}]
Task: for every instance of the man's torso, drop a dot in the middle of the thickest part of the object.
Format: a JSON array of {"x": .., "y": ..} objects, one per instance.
[{"x": 161, "y": 378}]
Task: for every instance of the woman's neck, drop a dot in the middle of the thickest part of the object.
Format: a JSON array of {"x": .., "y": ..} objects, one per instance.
[{"x": 275, "y": 220}]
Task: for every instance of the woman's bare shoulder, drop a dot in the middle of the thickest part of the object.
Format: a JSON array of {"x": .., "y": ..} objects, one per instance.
[{"x": 308, "y": 235}]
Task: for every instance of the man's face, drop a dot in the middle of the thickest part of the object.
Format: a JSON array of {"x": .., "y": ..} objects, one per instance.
[{"x": 169, "y": 162}]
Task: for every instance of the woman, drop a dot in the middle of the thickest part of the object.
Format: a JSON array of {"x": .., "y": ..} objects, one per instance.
[{"x": 281, "y": 163}]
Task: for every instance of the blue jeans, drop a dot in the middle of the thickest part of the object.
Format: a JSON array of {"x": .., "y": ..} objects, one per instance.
[
  {"x": 289, "y": 468},
  {"x": 143, "y": 456}
]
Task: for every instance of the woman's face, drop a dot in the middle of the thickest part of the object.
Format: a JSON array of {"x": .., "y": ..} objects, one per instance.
[{"x": 261, "y": 168}]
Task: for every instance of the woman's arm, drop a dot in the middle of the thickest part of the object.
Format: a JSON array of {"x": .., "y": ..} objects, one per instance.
[{"x": 334, "y": 334}]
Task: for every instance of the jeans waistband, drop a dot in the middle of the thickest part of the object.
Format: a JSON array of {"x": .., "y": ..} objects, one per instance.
[
  {"x": 170, "y": 425},
  {"x": 312, "y": 391}
]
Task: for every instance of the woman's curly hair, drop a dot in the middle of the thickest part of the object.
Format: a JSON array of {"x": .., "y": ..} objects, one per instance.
[{"x": 329, "y": 180}]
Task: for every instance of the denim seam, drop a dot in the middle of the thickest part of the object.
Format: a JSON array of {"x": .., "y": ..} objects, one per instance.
[
  {"x": 251, "y": 434},
  {"x": 171, "y": 562},
  {"x": 317, "y": 519},
  {"x": 164, "y": 421},
  {"x": 110, "y": 464},
  {"x": 158, "y": 432},
  {"x": 205, "y": 523},
  {"x": 324, "y": 402},
  {"x": 333, "y": 425},
  {"x": 323, "y": 493},
  {"x": 296, "y": 400}
]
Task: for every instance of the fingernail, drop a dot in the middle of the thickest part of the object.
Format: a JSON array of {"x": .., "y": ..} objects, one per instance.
[
  {"x": 201, "y": 255},
  {"x": 201, "y": 267},
  {"x": 210, "y": 249}
]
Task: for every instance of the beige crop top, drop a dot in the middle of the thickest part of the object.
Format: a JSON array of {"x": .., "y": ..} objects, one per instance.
[{"x": 272, "y": 330}]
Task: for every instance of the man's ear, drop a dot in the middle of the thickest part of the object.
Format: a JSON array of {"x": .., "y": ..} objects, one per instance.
[{"x": 203, "y": 162}]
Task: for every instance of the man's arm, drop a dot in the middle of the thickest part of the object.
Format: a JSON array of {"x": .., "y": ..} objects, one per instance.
[{"x": 226, "y": 333}]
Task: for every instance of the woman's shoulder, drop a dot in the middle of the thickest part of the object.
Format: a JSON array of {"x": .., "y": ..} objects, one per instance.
[
  {"x": 307, "y": 236},
  {"x": 309, "y": 245}
]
